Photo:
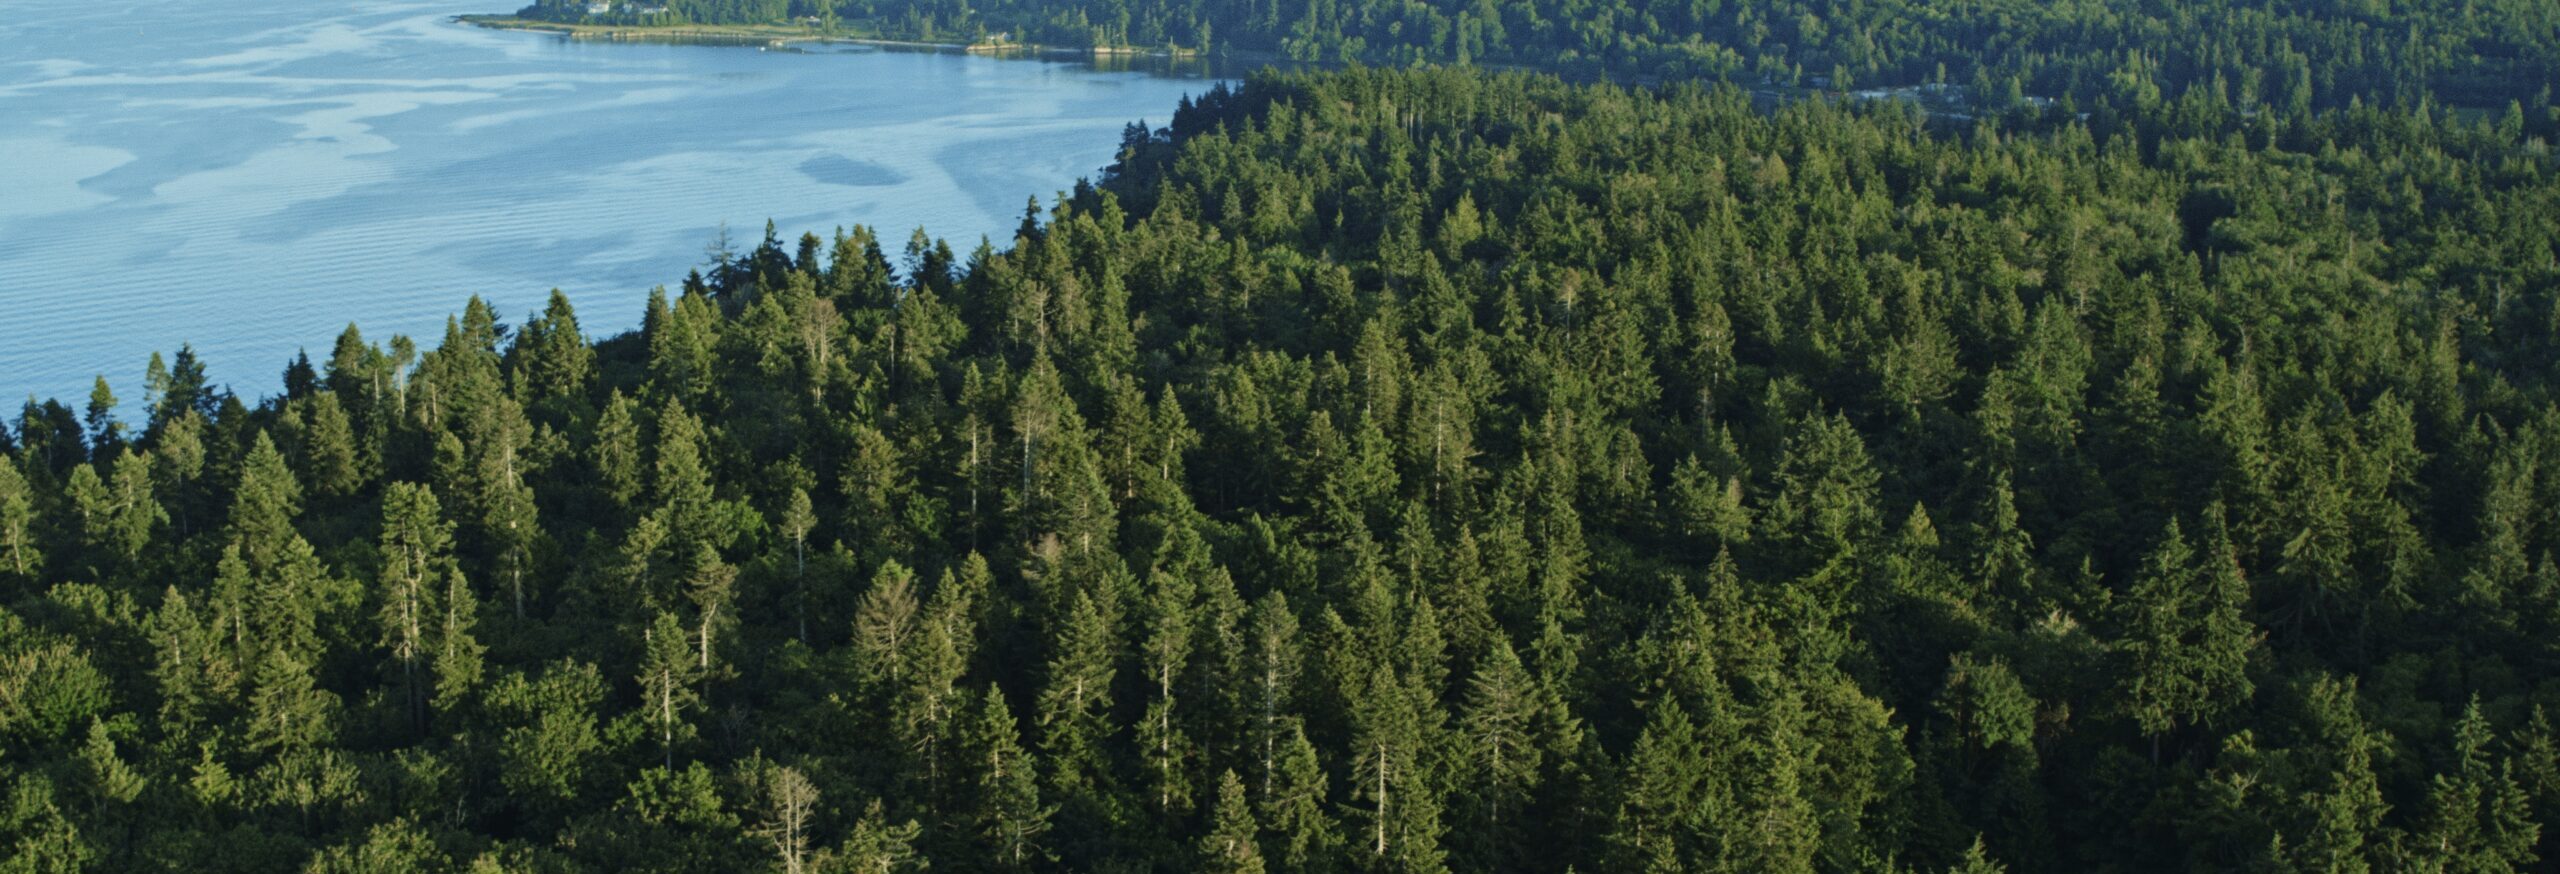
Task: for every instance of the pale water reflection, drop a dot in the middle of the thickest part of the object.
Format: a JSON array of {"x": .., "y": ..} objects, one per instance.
[{"x": 251, "y": 177}]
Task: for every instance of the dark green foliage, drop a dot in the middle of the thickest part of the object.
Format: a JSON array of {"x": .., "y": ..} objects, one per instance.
[{"x": 1402, "y": 471}]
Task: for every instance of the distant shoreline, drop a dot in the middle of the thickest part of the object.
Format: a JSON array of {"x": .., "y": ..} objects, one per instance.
[{"x": 779, "y": 36}]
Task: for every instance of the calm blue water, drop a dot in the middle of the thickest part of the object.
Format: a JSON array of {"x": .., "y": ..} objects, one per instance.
[{"x": 250, "y": 177}]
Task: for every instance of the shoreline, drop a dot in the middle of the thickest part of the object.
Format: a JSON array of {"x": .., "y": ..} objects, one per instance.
[{"x": 785, "y": 36}]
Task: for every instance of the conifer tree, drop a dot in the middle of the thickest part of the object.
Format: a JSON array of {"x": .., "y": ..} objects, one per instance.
[
  {"x": 617, "y": 450},
  {"x": 1232, "y": 845},
  {"x": 797, "y": 519},
  {"x": 86, "y": 492},
  {"x": 1497, "y": 729},
  {"x": 17, "y": 523},
  {"x": 2187, "y": 637},
  {"x": 1075, "y": 712},
  {"x": 668, "y": 672},
  {"x": 680, "y": 481},
  {"x": 1294, "y": 807},
  {"x": 681, "y": 340},
  {"x": 1977, "y": 861},
  {"x": 711, "y": 585},
  {"x": 551, "y": 357},
  {"x": 1272, "y": 670},
  {"x": 929, "y": 704},
  {"x": 1661, "y": 805},
  {"x": 1010, "y": 816},
  {"x": 135, "y": 513},
  {"x": 288, "y": 713},
  {"x": 884, "y": 625},
  {"x": 194, "y": 669},
  {"x": 417, "y": 562},
  {"x": 877, "y": 846},
  {"x": 458, "y": 653},
  {"x": 1163, "y": 654},
  {"x": 330, "y": 458},
  {"x": 2477, "y": 818},
  {"x": 105, "y": 433},
  {"x": 509, "y": 523},
  {"x": 276, "y": 583},
  {"x": 2004, "y": 553},
  {"x": 1389, "y": 729}
]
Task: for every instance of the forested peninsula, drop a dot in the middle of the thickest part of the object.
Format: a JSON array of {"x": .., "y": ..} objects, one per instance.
[
  {"x": 1413, "y": 471},
  {"x": 2290, "y": 55}
]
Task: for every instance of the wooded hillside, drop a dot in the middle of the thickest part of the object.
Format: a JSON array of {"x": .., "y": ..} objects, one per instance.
[{"x": 1385, "y": 471}]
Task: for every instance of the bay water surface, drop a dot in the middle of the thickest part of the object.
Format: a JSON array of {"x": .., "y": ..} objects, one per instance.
[{"x": 249, "y": 178}]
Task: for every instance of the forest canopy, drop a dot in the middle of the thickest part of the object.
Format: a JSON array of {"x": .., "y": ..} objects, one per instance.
[{"x": 1386, "y": 471}]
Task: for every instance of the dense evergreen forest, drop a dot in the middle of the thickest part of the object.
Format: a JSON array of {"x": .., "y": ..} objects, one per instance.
[
  {"x": 1395, "y": 471},
  {"x": 2274, "y": 53}
]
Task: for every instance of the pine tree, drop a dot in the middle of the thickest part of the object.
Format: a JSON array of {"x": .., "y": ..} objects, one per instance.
[
  {"x": 1661, "y": 805},
  {"x": 816, "y": 330},
  {"x": 617, "y": 450},
  {"x": 877, "y": 846},
  {"x": 2477, "y": 818},
  {"x": 1825, "y": 491},
  {"x": 17, "y": 524},
  {"x": 680, "y": 483},
  {"x": 417, "y": 559},
  {"x": 1781, "y": 831},
  {"x": 109, "y": 779},
  {"x": 277, "y": 585},
  {"x": 1009, "y": 815},
  {"x": 1978, "y": 861},
  {"x": 121, "y": 527},
  {"x": 457, "y": 652},
  {"x": 1061, "y": 491},
  {"x": 2188, "y": 640},
  {"x": 668, "y": 671},
  {"x": 927, "y": 710},
  {"x": 1387, "y": 744},
  {"x": 1497, "y": 728},
  {"x": 105, "y": 433},
  {"x": 876, "y": 490},
  {"x": 329, "y": 457},
  {"x": 798, "y": 517},
  {"x": 178, "y": 467},
  {"x": 1163, "y": 654},
  {"x": 1705, "y": 510},
  {"x": 398, "y": 845},
  {"x": 509, "y": 523},
  {"x": 681, "y": 343},
  {"x": 711, "y": 585},
  {"x": 1075, "y": 713},
  {"x": 551, "y": 357},
  {"x": 1232, "y": 845},
  {"x": 2234, "y": 425},
  {"x": 1294, "y": 806},
  {"x": 193, "y": 668},
  {"x": 288, "y": 713},
  {"x": 86, "y": 492},
  {"x": 884, "y": 623},
  {"x": 1272, "y": 668},
  {"x": 2004, "y": 565}
]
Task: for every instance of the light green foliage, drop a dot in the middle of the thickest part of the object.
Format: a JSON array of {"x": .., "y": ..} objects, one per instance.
[{"x": 17, "y": 524}]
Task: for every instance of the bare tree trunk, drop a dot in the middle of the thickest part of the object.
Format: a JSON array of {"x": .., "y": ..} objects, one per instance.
[
  {"x": 708, "y": 614},
  {"x": 1382, "y": 799}
]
